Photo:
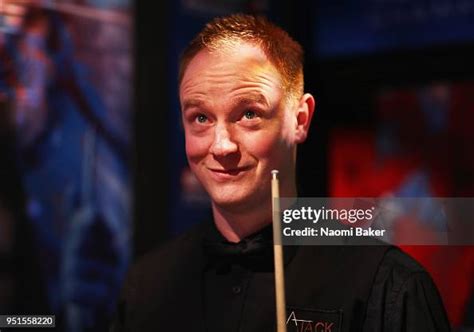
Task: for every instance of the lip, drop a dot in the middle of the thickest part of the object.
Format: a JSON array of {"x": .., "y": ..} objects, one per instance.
[{"x": 228, "y": 174}]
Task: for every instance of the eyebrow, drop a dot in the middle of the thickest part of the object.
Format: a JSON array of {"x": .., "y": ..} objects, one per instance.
[
  {"x": 189, "y": 103},
  {"x": 249, "y": 99}
]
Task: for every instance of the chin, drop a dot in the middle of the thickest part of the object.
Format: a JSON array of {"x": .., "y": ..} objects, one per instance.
[
  {"x": 238, "y": 201},
  {"x": 229, "y": 203}
]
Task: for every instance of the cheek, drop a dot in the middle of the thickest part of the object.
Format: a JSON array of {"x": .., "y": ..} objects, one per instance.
[
  {"x": 268, "y": 147},
  {"x": 262, "y": 145},
  {"x": 197, "y": 147}
]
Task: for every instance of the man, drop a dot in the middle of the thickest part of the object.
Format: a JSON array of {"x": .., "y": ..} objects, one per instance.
[{"x": 244, "y": 113}]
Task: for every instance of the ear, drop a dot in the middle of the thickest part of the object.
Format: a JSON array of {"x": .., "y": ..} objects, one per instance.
[{"x": 304, "y": 114}]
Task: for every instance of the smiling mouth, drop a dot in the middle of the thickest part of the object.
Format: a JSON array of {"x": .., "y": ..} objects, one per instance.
[{"x": 230, "y": 171}]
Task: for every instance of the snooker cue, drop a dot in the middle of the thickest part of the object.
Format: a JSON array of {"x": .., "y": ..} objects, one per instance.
[{"x": 278, "y": 256}]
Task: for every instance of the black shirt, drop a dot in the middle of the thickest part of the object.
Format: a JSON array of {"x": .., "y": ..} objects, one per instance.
[{"x": 201, "y": 282}]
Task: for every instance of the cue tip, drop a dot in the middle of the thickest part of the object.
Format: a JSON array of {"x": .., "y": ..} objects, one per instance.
[{"x": 275, "y": 174}]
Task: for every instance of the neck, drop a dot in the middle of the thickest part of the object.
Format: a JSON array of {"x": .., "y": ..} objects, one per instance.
[{"x": 236, "y": 224}]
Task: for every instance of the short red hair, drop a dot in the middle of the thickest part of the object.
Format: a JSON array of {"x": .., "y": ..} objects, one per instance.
[{"x": 283, "y": 51}]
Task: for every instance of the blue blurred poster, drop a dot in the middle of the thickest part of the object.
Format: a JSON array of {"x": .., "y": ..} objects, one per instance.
[
  {"x": 66, "y": 74},
  {"x": 371, "y": 26}
]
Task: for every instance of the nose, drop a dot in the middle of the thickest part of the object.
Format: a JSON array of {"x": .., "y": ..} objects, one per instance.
[{"x": 223, "y": 144}]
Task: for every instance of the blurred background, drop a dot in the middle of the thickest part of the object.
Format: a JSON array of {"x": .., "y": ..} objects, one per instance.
[{"x": 92, "y": 166}]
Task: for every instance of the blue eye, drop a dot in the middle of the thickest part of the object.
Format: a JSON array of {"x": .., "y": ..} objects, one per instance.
[
  {"x": 250, "y": 115},
  {"x": 201, "y": 118}
]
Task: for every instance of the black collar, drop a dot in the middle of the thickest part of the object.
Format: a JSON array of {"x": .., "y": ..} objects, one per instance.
[{"x": 254, "y": 252}]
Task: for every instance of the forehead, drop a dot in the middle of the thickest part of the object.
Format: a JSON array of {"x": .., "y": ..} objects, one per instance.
[{"x": 234, "y": 67}]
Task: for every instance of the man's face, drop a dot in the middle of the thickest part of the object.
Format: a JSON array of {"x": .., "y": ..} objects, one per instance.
[{"x": 238, "y": 125}]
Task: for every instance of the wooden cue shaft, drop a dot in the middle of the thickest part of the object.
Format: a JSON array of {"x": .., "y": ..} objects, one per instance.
[{"x": 278, "y": 256}]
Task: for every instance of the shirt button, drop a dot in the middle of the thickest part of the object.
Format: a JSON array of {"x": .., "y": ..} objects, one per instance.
[{"x": 236, "y": 290}]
